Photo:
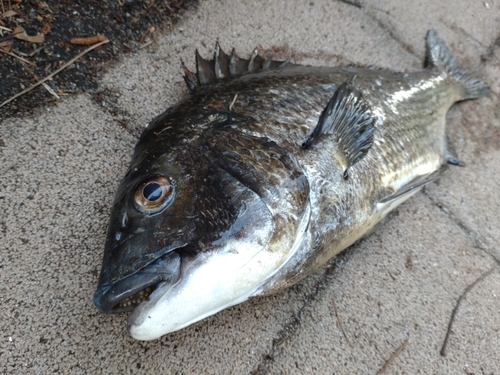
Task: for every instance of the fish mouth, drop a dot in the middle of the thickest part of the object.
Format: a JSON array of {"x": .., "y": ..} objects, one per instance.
[{"x": 126, "y": 294}]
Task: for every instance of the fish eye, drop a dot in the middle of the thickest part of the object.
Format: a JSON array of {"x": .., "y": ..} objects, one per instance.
[{"x": 153, "y": 195}]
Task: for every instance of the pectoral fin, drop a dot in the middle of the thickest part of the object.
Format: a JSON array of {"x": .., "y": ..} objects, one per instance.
[{"x": 348, "y": 120}]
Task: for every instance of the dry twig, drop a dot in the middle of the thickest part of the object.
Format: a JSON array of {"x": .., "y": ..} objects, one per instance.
[
  {"x": 452, "y": 319},
  {"x": 54, "y": 73},
  {"x": 340, "y": 322},
  {"x": 394, "y": 355}
]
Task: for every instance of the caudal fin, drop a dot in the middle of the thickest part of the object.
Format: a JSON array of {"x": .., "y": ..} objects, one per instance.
[{"x": 439, "y": 56}]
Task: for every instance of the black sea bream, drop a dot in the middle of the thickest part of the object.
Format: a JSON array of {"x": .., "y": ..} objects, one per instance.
[{"x": 263, "y": 173}]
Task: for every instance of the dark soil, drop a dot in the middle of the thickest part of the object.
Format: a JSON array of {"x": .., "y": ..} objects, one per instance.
[{"x": 126, "y": 23}]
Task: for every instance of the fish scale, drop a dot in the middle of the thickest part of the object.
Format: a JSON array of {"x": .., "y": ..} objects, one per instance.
[{"x": 263, "y": 173}]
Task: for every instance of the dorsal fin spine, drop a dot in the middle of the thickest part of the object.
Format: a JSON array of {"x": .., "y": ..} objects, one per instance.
[
  {"x": 189, "y": 77},
  {"x": 223, "y": 66},
  {"x": 252, "y": 63}
]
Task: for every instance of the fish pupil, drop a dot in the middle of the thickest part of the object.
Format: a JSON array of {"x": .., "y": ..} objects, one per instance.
[{"x": 152, "y": 191}]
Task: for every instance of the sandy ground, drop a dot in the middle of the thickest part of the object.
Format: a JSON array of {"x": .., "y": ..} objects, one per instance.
[{"x": 60, "y": 167}]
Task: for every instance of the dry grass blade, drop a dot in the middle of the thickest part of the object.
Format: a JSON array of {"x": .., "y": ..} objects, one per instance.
[
  {"x": 232, "y": 103},
  {"x": 51, "y": 92},
  {"x": 18, "y": 57},
  {"x": 54, "y": 73}
]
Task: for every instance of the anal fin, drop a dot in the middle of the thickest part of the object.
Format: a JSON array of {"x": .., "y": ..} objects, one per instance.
[
  {"x": 451, "y": 156},
  {"x": 407, "y": 190}
]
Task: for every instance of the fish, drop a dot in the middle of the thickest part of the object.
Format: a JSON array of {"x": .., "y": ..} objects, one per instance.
[{"x": 264, "y": 172}]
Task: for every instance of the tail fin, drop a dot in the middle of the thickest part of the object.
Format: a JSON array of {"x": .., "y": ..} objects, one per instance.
[{"x": 439, "y": 56}]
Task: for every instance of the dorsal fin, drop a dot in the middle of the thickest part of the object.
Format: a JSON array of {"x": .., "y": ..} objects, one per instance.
[
  {"x": 223, "y": 66},
  {"x": 450, "y": 155},
  {"x": 347, "y": 118}
]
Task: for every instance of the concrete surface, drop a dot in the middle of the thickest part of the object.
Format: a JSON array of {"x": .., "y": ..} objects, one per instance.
[{"x": 59, "y": 169}]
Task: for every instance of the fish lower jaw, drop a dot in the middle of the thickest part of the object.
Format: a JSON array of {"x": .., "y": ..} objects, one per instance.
[
  {"x": 204, "y": 291},
  {"x": 139, "y": 333},
  {"x": 128, "y": 293}
]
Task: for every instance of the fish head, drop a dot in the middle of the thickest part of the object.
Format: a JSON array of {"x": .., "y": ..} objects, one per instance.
[{"x": 200, "y": 229}]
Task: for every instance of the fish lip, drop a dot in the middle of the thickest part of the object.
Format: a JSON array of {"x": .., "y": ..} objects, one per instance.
[{"x": 164, "y": 270}]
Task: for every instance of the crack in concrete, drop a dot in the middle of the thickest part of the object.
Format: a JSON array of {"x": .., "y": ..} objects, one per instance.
[
  {"x": 478, "y": 241},
  {"x": 490, "y": 52},
  {"x": 390, "y": 32},
  {"x": 383, "y": 26},
  {"x": 107, "y": 100},
  {"x": 289, "y": 330},
  {"x": 468, "y": 36}
]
